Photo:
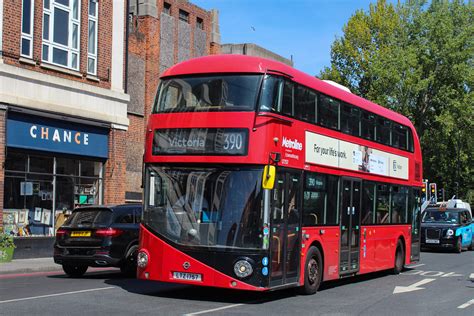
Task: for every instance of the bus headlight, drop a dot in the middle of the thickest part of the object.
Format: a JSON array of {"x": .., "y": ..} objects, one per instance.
[
  {"x": 449, "y": 232},
  {"x": 243, "y": 269},
  {"x": 142, "y": 259}
]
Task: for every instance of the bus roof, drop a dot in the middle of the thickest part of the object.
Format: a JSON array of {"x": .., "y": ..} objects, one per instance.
[{"x": 230, "y": 63}]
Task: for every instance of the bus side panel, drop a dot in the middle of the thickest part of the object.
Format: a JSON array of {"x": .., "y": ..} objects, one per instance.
[
  {"x": 329, "y": 239},
  {"x": 164, "y": 260},
  {"x": 367, "y": 250},
  {"x": 386, "y": 238}
]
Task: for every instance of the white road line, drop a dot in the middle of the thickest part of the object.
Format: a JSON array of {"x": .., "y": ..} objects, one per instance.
[
  {"x": 58, "y": 294},
  {"x": 416, "y": 265},
  {"x": 468, "y": 303},
  {"x": 214, "y": 310}
]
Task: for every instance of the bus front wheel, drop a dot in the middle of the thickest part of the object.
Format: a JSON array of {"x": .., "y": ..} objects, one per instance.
[{"x": 313, "y": 271}]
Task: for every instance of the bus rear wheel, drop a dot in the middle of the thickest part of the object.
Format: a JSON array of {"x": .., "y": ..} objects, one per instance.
[
  {"x": 399, "y": 258},
  {"x": 313, "y": 271}
]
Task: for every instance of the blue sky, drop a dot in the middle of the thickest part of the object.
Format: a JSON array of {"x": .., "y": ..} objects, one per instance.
[{"x": 302, "y": 28}]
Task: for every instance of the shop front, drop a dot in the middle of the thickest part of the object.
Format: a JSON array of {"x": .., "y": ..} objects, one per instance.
[{"x": 51, "y": 167}]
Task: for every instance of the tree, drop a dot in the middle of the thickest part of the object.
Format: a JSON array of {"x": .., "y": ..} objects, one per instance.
[{"x": 417, "y": 58}]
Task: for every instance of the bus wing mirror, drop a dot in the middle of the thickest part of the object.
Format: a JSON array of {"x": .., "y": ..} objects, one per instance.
[{"x": 269, "y": 174}]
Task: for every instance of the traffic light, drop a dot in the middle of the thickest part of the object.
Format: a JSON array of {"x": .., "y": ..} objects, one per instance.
[
  {"x": 424, "y": 191},
  {"x": 441, "y": 194},
  {"x": 433, "y": 196}
]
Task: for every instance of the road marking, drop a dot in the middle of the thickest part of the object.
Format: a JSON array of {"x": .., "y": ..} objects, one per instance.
[
  {"x": 468, "y": 303},
  {"x": 451, "y": 274},
  {"x": 58, "y": 294},
  {"x": 413, "y": 287},
  {"x": 214, "y": 310},
  {"x": 416, "y": 265}
]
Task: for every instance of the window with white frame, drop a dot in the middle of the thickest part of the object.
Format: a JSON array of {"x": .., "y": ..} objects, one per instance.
[
  {"x": 61, "y": 32},
  {"x": 26, "y": 48},
  {"x": 92, "y": 38}
]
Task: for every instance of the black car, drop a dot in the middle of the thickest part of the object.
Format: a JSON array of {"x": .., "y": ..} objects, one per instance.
[
  {"x": 99, "y": 236},
  {"x": 447, "y": 228}
]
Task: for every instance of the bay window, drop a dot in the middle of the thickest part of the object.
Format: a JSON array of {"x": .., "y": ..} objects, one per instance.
[
  {"x": 61, "y": 32},
  {"x": 27, "y": 13},
  {"x": 92, "y": 38}
]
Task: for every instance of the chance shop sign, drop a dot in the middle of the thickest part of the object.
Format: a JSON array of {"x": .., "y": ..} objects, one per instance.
[{"x": 33, "y": 132}]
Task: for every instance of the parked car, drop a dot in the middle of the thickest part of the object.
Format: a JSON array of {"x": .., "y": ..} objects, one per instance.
[
  {"x": 99, "y": 236},
  {"x": 447, "y": 228}
]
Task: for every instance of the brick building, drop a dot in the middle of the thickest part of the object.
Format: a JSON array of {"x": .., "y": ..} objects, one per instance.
[
  {"x": 63, "y": 112},
  {"x": 161, "y": 34}
]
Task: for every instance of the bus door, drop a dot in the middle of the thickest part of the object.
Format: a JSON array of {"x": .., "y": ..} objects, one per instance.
[
  {"x": 416, "y": 224},
  {"x": 350, "y": 226},
  {"x": 285, "y": 228}
]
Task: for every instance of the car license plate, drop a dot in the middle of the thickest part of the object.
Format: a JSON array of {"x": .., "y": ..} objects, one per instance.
[
  {"x": 432, "y": 241},
  {"x": 81, "y": 234},
  {"x": 187, "y": 276}
]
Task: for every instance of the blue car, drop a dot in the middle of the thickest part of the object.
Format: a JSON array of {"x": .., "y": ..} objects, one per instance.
[{"x": 447, "y": 228}]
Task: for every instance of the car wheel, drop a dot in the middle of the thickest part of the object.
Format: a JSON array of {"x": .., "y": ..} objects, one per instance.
[
  {"x": 313, "y": 271},
  {"x": 399, "y": 258},
  {"x": 459, "y": 245},
  {"x": 129, "y": 266},
  {"x": 74, "y": 271},
  {"x": 471, "y": 246}
]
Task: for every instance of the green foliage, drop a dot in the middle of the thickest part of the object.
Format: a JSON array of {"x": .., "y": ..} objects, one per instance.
[
  {"x": 416, "y": 58},
  {"x": 6, "y": 241}
]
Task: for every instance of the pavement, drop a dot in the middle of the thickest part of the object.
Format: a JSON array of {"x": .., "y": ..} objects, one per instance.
[{"x": 29, "y": 265}]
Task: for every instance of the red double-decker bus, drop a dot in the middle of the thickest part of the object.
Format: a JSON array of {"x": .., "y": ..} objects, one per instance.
[{"x": 258, "y": 177}]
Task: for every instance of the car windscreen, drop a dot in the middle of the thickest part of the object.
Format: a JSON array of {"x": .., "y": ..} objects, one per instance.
[
  {"x": 90, "y": 218},
  {"x": 443, "y": 217}
]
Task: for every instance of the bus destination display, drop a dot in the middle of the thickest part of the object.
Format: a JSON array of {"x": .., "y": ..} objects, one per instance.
[{"x": 201, "y": 141}]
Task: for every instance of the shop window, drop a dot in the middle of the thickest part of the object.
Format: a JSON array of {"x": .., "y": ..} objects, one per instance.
[
  {"x": 90, "y": 168},
  {"x": 41, "y": 164},
  {"x": 67, "y": 166},
  {"x": 16, "y": 161},
  {"x": 31, "y": 185}
]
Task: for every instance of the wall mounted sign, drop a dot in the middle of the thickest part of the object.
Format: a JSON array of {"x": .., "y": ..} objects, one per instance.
[{"x": 39, "y": 133}]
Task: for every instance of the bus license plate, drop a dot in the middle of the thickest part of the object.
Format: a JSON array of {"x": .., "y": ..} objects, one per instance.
[
  {"x": 187, "y": 276},
  {"x": 81, "y": 234},
  {"x": 432, "y": 241}
]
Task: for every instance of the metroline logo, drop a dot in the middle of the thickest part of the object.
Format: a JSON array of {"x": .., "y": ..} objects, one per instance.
[{"x": 291, "y": 144}]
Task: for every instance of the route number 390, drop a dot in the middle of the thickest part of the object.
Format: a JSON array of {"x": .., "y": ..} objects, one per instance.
[{"x": 233, "y": 141}]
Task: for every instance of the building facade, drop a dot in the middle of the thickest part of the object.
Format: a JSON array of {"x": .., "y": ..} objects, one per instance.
[
  {"x": 161, "y": 34},
  {"x": 63, "y": 111}
]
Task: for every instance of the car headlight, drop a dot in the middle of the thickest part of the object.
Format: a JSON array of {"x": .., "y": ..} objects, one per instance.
[
  {"x": 449, "y": 232},
  {"x": 142, "y": 259},
  {"x": 243, "y": 269}
]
